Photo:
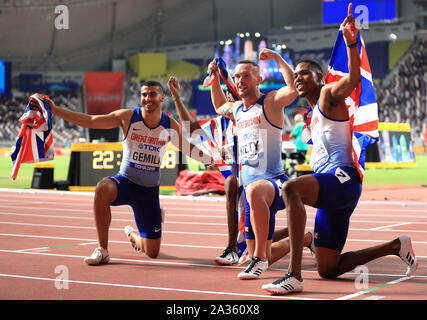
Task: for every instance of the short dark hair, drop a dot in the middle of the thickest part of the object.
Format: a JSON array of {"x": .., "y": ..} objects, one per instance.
[
  {"x": 312, "y": 63},
  {"x": 152, "y": 83},
  {"x": 251, "y": 62}
]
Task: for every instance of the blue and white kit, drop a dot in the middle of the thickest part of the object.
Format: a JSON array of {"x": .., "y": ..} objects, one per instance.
[
  {"x": 259, "y": 143},
  {"x": 340, "y": 186},
  {"x": 139, "y": 176}
]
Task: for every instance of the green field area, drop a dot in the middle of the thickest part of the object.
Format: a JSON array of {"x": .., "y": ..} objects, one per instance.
[
  {"x": 373, "y": 177},
  {"x": 25, "y": 173}
]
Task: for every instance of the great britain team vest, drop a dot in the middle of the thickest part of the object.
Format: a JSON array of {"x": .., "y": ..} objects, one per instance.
[
  {"x": 331, "y": 139},
  {"x": 259, "y": 143},
  {"x": 143, "y": 150}
]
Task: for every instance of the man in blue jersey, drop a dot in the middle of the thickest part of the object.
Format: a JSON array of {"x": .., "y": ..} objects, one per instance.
[
  {"x": 335, "y": 187},
  {"x": 259, "y": 120},
  {"x": 146, "y": 131}
]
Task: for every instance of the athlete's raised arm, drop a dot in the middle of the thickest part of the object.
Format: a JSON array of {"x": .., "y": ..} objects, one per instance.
[
  {"x": 343, "y": 88},
  {"x": 222, "y": 106},
  {"x": 285, "y": 95},
  {"x": 188, "y": 148},
  {"x": 118, "y": 118},
  {"x": 183, "y": 113}
]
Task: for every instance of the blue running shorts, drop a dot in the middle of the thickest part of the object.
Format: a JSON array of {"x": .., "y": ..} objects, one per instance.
[
  {"x": 339, "y": 193},
  {"x": 277, "y": 205},
  {"x": 145, "y": 204}
]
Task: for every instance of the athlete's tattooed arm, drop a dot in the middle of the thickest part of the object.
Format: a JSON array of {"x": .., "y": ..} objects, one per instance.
[{"x": 226, "y": 110}]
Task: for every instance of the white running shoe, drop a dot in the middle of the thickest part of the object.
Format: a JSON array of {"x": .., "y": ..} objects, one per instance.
[
  {"x": 228, "y": 257},
  {"x": 128, "y": 230},
  {"x": 285, "y": 285},
  {"x": 99, "y": 256},
  {"x": 254, "y": 270},
  {"x": 406, "y": 253}
]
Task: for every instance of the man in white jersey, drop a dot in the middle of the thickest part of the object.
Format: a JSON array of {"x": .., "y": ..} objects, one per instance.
[
  {"x": 335, "y": 187},
  {"x": 147, "y": 131},
  {"x": 259, "y": 120}
]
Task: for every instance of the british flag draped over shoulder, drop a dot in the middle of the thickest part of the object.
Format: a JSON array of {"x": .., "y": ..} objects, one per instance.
[
  {"x": 35, "y": 139},
  {"x": 362, "y": 104}
]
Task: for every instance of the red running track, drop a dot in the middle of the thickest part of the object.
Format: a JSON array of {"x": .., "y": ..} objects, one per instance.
[{"x": 44, "y": 236}]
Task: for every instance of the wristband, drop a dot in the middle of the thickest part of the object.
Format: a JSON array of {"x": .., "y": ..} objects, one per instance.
[
  {"x": 353, "y": 45},
  {"x": 174, "y": 98}
]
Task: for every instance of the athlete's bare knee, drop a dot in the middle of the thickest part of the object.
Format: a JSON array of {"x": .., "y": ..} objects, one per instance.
[
  {"x": 106, "y": 189},
  {"x": 230, "y": 184},
  {"x": 254, "y": 193},
  {"x": 289, "y": 189},
  {"x": 327, "y": 269},
  {"x": 152, "y": 247},
  {"x": 104, "y": 185},
  {"x": 153, "y": 254},
  {"x": 328, "y": 274}
]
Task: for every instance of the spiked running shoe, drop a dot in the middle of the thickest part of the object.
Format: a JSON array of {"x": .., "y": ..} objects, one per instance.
[
  {"x": 406, "y": 253},
  {"x": 99, "y": 256},
  {"x": 254, "y": 270},
  {"x": 228, "y": 257},
  {"x": 128, "y": 230},
  {"x": 285, "y": 285}
]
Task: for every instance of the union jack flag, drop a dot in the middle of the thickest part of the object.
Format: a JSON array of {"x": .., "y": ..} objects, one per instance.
[
  {"x": 226, "y": 77},
  {"x": 214, "y": 138},
  {"x": 362, "y": 104},
  {"x": 218, "y": 132},
  {"x": 35, "y": 139},
  {"x": 215, "y": 130}
]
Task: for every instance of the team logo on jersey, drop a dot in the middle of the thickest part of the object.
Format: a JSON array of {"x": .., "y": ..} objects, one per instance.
[{"x": 342, "y": 175}]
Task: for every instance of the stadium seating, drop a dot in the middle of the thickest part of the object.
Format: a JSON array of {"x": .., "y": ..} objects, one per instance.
[
  {"x": 404, "y": 97},
  {"x": 12, "y": 108}
]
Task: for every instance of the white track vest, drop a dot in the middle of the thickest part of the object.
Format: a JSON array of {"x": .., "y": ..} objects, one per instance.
[
  {"x": 143, "y": 150},
  {"x": 331, "y": 139},
  {"x": 259, "y": 144}
]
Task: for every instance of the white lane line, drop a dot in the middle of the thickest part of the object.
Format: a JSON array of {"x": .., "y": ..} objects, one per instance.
[
  {"x": 49, "y": 248},
  {"x": 93, "y": 241},
  {"x": 90, "y": 194},
  {"x": 160, "y": 288},
  {"x": 374, "y": 298},
  {"x": 112, "y": 229},
  {"x": 114, "y": 218},
  {"x": 41, "y": 249},
  {"x": 362, "y": 292},
  {"x": 390, "y": 226},
  {"x": 194, "y": 233},
  {"x": 381, "y": 228},
  {"x": 176, "y": 263}
]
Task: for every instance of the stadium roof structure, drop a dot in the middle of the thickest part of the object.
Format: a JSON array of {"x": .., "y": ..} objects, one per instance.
[
  {"x": 99, "y": 31},
  {"x": 102, "y": 30}
]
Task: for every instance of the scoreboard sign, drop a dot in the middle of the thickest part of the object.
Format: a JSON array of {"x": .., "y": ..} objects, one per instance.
[{"x": 91, "y": 162}]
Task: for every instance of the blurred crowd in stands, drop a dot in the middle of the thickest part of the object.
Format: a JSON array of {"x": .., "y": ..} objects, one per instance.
[
  {"x": 402, "y": 98},
  {"x": 12, "y": 108}
]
